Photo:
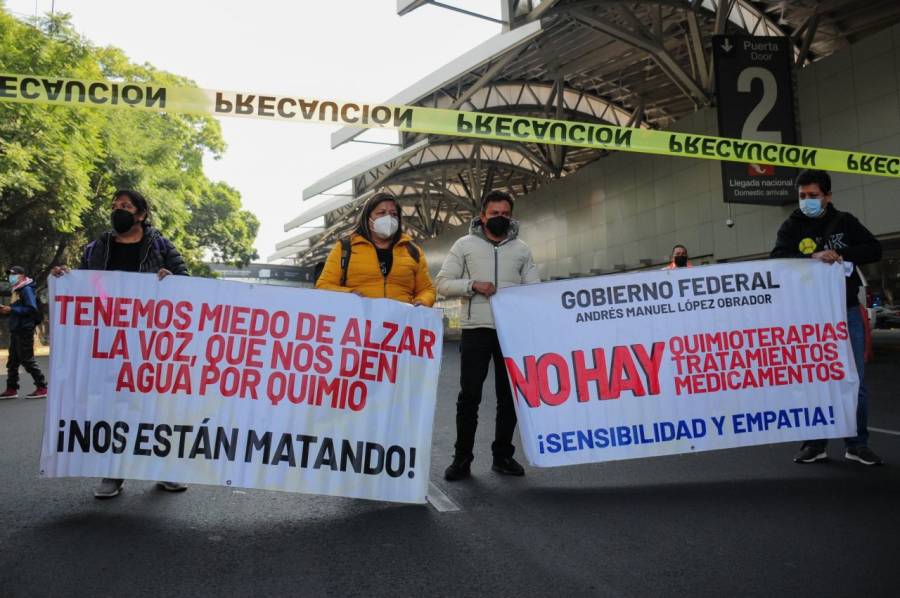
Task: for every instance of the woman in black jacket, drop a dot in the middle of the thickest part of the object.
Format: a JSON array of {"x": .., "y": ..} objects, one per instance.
[{"x": 132, "y": 245}]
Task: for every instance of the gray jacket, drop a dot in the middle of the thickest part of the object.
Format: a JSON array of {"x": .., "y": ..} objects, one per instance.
[{"x": 474, "y": 258}]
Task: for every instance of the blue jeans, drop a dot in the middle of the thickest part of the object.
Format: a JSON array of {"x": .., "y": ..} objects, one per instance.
[{"x": 856, "y": 328}]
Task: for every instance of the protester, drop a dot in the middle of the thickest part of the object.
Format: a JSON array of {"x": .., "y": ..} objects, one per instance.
[
  {"x": 679, "y": 258},
  {"x": 377, "y": 259},
  {"x": 133, "y": 245},
  {"x": 489, "y": 258},
  {"x": 820, "y": 231},
  {"x": 24, "y": 314}
]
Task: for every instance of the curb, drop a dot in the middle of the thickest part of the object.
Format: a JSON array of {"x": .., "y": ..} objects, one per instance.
[{"x": 38, "y": 352}]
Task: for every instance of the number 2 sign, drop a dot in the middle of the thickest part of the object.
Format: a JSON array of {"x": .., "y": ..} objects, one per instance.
[{"x": 755, "y": 101}]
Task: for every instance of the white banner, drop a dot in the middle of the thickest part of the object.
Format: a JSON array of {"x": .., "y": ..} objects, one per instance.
[
  {"x": 677, "y": 361},
  {"x": 198, "y": 380}
]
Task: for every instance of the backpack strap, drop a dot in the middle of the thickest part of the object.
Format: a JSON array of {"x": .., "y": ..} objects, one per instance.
[
  {"x": 345, "y": 259},
  {"x": 88, "y": 252},
  {"x": 38, "y": 316},
  {"x": 414, "y": 252}
]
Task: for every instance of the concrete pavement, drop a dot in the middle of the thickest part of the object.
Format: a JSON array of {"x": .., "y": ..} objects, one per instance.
[{"x": 745, "y": 522}]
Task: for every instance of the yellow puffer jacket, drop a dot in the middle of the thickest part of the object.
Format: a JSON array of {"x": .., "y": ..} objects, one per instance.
[{"x": 408, "y": 281}]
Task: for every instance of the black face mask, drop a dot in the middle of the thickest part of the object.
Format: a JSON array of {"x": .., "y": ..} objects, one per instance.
[
  {"x": 122, "y": 221},
  {"x": 498, "y": 225},
  {"x": 680, "y": 261}
]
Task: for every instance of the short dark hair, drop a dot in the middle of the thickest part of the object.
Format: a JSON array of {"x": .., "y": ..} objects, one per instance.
[
  {"x": 676, "y": 247},
  {"x": 138, "y": 200},
  {"x": 495, "y": 196},
  {"x": 814, "y": 177}
]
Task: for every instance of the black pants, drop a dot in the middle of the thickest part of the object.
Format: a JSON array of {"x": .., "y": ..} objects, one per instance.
[
  {"x": 477, "y": 347},
  {"x": 21, "y": 353}
]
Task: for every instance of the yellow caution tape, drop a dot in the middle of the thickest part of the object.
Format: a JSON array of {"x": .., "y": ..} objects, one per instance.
[{"x": 34, "y": 89}]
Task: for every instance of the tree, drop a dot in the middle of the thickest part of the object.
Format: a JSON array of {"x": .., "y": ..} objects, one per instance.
[{"x": 60, "y": 166}]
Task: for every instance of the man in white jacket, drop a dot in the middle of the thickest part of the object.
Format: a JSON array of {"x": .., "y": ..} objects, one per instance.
[{"x": 490, "y": 257}]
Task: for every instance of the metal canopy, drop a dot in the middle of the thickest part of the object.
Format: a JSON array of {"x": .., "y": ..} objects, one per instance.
[
  {"x": 473, "y": 59},
  {"x": 635, "y": 63},
  {"x": 359, "y": 167}
]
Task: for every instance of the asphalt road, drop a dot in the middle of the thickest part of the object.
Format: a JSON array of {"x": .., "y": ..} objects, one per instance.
[{"x": 744, "y": 522}]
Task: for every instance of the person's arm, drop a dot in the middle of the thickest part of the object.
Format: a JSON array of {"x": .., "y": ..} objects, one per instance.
[
  {"x": 863, "y": 247},
  {"x": 330, "y": 278},
  {"x": 530, "y": 274},
  {"x": 172, "y": 260},
  {"x": 785, "y": 243},
  {"x": 450, "y": 281},
  {"x": 424, "y": 291},
  {"x": 30, "y": 302}
]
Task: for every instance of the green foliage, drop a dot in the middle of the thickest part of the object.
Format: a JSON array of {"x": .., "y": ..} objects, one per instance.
[{"x": 60, "y": 166}]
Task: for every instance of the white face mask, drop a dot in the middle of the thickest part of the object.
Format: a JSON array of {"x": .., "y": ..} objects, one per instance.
[{"x": 385, "y": 226}]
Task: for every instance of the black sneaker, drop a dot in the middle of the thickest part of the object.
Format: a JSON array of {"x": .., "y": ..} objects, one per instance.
[
  {"x": 810, "y": 454},
  {"x": 862, "y": 454},
  {"x": 458, "y": 470},
  {"x": 507, "y": 466}
]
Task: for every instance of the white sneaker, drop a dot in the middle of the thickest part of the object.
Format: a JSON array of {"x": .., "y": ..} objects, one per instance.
[
  {"x": 171, "y": 486},
  {"x": 109, "y": 488}
]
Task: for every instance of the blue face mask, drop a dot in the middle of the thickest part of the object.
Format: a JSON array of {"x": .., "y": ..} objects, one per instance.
[
  {"x": 13, "y": 279},
  {"x": 812, "y": 207}
]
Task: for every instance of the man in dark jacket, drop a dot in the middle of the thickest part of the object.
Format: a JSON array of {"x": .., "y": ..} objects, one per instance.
[
  {"x": 24, "y": 315},
  {"x": 132, "y": 246},
  {"x": 819, "y": 231}
]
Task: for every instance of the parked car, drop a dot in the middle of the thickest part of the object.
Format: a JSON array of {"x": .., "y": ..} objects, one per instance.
[{"x": 887, "y": 316}]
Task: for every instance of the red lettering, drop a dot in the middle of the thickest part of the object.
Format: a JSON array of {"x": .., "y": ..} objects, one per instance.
[
  {"x": 81, "y": 311},
  {"x": 564, "y": 384},
  {"x": 597, "y": 374},
  {"x": 63, "y": 301},
  {"x": 624, "y": 374},
  {"x": 351, "y": 333},
  {"x": 650, "y": 363},
  {"x": 524, "y": 384},
  {"x": 427, "y": 339}
]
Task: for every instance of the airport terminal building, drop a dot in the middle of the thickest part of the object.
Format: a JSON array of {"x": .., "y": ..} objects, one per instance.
[{"x": 588, "y": 212}]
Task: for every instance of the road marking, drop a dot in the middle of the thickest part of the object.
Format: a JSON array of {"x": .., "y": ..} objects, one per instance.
[
  {"x": 882, "y": 431},
  {"x": 440, "y": 501}
]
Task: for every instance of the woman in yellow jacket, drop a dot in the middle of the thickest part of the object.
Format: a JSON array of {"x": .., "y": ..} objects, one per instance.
[{"x": 378, "y": 259}]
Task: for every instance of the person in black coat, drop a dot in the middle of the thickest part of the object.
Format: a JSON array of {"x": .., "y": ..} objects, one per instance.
[
  {"x": 133, "y": 245},
  {"x": 819, "y": 231}
]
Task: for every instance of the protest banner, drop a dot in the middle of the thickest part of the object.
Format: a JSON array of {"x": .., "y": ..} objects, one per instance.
[
  {"x": 255, "y": 386},
  {"x": 677, "y": 361}
]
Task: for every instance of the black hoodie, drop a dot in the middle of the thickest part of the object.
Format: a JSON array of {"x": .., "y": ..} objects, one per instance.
[{"x": 845, "y": 235}]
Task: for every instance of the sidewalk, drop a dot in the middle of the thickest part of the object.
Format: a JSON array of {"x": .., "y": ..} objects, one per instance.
[{"x": 38, "y": 352}]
